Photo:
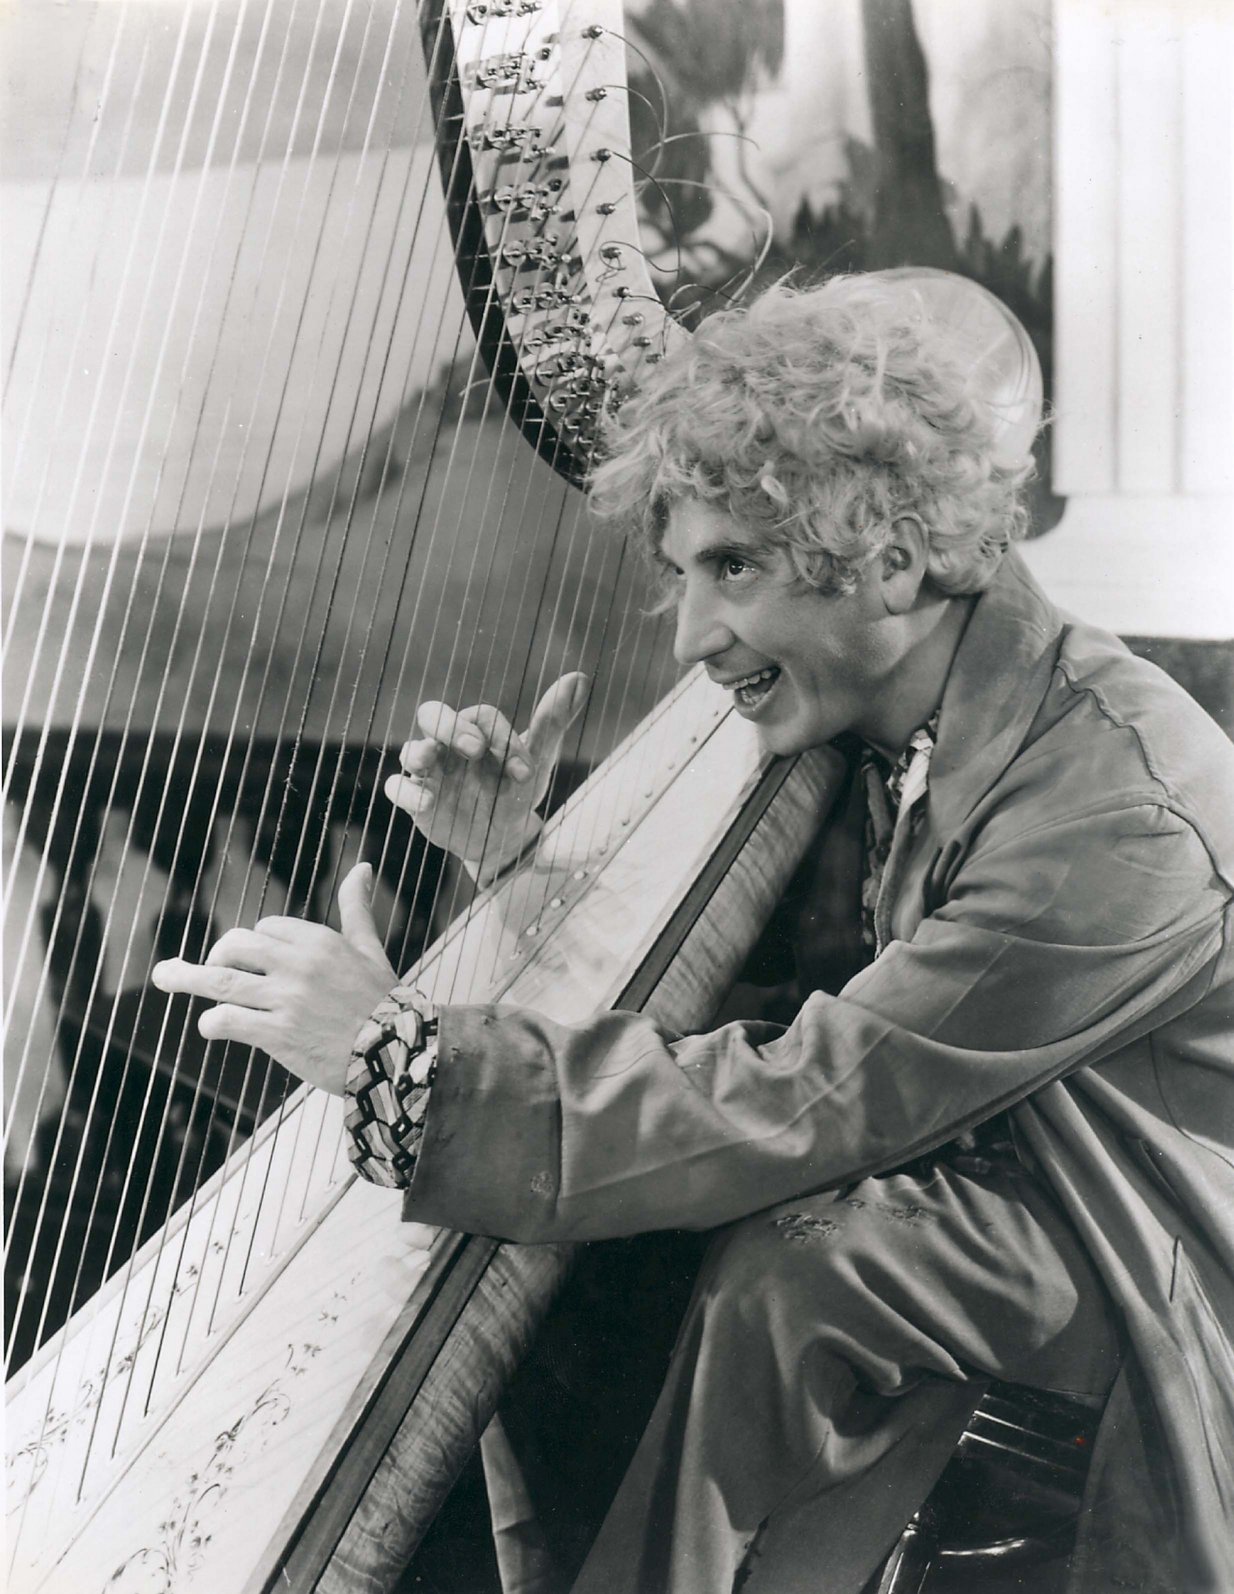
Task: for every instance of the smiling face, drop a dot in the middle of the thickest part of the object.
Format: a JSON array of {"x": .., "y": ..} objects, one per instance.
[{"x": 802, "y": 665}]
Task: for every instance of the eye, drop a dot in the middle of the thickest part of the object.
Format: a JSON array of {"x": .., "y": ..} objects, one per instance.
[
  {"x": 668, "y": 582},
  {"x": 734, "y": 568}
]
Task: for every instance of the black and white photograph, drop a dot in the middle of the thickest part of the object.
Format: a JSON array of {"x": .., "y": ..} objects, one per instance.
[{"x": 618, "y": 771}]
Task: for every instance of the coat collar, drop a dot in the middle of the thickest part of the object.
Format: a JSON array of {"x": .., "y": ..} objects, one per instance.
[{"x": 998, "y": 679}]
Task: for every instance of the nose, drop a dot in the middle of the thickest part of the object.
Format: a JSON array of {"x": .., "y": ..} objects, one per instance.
[{"x": 701, "y": 629}]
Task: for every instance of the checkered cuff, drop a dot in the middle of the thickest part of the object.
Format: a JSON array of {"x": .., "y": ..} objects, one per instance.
[{"x": 389, "y": 1074}]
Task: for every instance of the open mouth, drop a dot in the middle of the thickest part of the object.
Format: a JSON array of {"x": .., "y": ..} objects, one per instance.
[{"x": 753, "y": 690}]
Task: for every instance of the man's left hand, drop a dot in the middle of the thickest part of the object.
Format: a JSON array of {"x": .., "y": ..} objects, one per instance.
[{"x": 299, "y": 991}]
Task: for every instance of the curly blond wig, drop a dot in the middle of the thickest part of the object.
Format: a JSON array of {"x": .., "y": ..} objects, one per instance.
[{"x": 818, "y": 417}]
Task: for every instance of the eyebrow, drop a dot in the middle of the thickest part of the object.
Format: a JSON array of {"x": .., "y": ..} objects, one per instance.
[
  {"x": 729, "y": 550},
  {"x": 712, "y": 552}
]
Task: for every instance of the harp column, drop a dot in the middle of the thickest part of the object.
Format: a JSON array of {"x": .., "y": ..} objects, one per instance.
[{"x": 1144, "y": 350}]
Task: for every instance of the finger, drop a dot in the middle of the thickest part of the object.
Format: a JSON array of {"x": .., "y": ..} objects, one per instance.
[
  {"x": 215, "y": 984},
  {"x": 242, "y": 1024},
  {"x": 410, "y": 795},
  {"x": 555, "y": 713},
  {"x": 291, "y": 932},
  {"x": 355, "y": 911},
  {"x": 440, "y": 722},
  {"x": 502, "y": 740},
  {"x": 491, "y": 724},
  {"x": 243, "y": 949},
  {"x": 418, "y": 1236},
  {"x": 418, "y": 758}
]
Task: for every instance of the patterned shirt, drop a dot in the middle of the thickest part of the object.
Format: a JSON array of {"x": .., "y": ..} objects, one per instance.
[{"x": 890, "y": 789}]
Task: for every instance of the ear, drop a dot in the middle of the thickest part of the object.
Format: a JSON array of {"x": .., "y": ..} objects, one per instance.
[{"x": 904, "y": 560}]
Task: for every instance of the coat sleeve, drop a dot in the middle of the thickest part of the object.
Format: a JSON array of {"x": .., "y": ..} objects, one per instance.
[{"x": 1052, "y": 948}]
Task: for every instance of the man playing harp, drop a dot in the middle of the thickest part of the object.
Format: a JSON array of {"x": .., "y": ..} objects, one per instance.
[{"x": 994, "y": 1137}]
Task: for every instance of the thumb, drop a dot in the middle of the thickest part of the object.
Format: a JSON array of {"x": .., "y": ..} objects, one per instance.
[
  {"x": 355, "y": 912},
  {"x": 555, "y": 713}
]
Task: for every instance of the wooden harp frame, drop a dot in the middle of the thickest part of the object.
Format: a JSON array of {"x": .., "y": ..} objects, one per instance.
[{"x": 237, "y": 1462}]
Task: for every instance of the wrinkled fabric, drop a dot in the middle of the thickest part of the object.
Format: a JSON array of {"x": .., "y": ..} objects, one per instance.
[
  {"x": 1058, "y": 943},
  {"x": 819, "y": 1386}
]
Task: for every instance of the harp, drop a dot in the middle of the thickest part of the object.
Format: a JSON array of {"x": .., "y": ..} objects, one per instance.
[{"x": 260, "y": 505}]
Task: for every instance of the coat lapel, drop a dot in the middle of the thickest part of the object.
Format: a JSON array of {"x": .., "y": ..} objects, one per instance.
[{"x": 1001, "y": 672}]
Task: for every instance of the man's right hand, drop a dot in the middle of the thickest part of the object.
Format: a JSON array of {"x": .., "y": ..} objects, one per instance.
[{"x": 471, "y": 783}]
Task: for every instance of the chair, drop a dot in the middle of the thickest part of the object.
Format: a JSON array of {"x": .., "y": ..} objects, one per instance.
[{"x": 1008, "y": 1499}]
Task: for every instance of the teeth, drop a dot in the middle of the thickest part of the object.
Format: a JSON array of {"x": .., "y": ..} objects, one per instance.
[{"x": 753, "y": 680}]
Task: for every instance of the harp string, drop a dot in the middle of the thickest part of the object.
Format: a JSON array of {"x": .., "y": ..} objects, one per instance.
[
  {"x": 145, "y": 647},
  {"x": 61, "y": 158},
  {"x": 633, "y": 774},
  {"x": 80, "y": 585},
  {"x": 627, "y": 681},
  {"x": 171, "y": 80},
  {"x": 464, "y": 499},
  {"x": 94, "y": 757},
  {"x": 632, "y": 777},
  {"x": 49, "y": 206},
  {"x": 525, "y": 667},
  {"x": 491, "y": 307},
  {"x": 176, "y": 1067},
  {"x": 638, "y": 771},
  {"x": 332, "y": 585},
  {"x": 265, "y": 805},
  {"x": 79, "y": 473},
  {"x": 75, "y": 724},
  {"x": 82, "y": 577},
  {"x": 503, "y": 694},
  {"x": 75, "y": 840},
  {"x": 317, "y": 773},
  {"x": 434, "y": 532},
  {"x": 629, "y": 677},
  {"x": 31, "y": 277},
  {"x": 20, "y": 837},
  {"x": 665, "y": 668}
]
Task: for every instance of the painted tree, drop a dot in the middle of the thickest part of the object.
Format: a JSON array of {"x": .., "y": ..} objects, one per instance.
[
  {"x": 909, "y": 220},
  {"x": 706, "y": 57}
]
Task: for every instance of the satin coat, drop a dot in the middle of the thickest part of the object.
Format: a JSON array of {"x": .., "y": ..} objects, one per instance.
[{"x": 1058, "y": 943}]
